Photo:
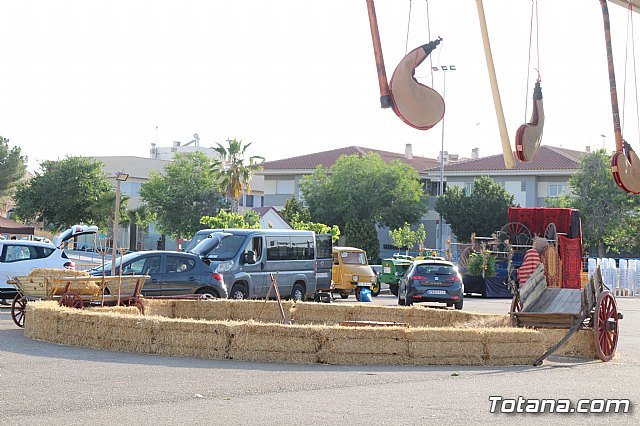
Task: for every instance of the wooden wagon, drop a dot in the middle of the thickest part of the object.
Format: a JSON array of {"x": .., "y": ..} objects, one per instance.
[
  {"x": 76, "y": 292},
  {"x": 593, "y": 307}
]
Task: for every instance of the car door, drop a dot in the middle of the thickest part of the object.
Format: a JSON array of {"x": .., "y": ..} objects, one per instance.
[
  {"x": 180, "y": 275},
  {"x": 18, "y": 260},
  {"x": 256, "y": 271},
  {"x": 146, "y": 265}
]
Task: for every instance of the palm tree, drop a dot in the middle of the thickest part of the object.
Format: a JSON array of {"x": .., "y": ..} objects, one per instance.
[{"x": 234, "y": 173}]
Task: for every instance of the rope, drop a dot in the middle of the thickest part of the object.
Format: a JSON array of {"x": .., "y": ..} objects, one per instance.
[
  {"x": 526, "y": 92},
  {"x": 429, "y": 38},
  {"x": 635, "y": 73},
  {"x": 406, "y": 43},
  {"x": 526, "y": 96}
]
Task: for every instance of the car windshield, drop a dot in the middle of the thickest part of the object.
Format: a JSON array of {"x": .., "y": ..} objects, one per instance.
[
  {"x": 226, "y": 248},
  {"x": 107, "y": 265},
  {"x": 197, "y": 239},
  {"x": 354, "y": 257},
  {"x": 434, "y": 270}
]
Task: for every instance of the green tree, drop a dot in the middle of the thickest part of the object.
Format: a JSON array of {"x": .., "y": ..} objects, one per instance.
[
  {"x": 234, "y": 173},
  {"x": 187, "y": 191},
  {"x": 66, "y": 192},
  {"x": 609, "y": 215},
  {"x": 294, "y": 207},
  {"x": 141, "y": 217},
  {"x": 318, "y": 228},
  {"x": 362, "y": 234},
  {"x": 484, "y": 211},
  {"x": 364, "y": 188},
  {"x": 405, "y": 237},
  {"x": 12, "y": 166},
  {"x": 224, "y": 220}
]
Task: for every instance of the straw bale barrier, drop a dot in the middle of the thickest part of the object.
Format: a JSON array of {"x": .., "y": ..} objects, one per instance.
[{"x": 222, "y": 329}]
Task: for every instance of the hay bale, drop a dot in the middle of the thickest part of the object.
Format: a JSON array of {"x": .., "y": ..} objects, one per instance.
[
  {"x": 581, "y": 344},
  {"x": 282, "y": 357},
  {"x": 155, "y": 307},
  {"x": 320, "y": 313},
  {"x": 57, "y": 273},
  {"x": 363, "y": 359},
  {"x": 125, "y": 310},
  {"x": 253, "y": 336},
  {"x": 258, "y": 310},
  {"x": 208, "y": 309},
  {"x": 453, "y": 349},
  {"x": 490, "y": 321}
]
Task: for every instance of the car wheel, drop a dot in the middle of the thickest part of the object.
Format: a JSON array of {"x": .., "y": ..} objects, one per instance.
[
  {"x": 408, "y": 301},
  {"x": 238, "y": 292},
  {"x": 458, "y": 305},
  {"x": 344, "y": 294},
  {"x": 297, "y": 293},
  {"x": 394, "y": 289},
  {"x": 208, "y": 293},
  {"x": 375, "y": 289}
]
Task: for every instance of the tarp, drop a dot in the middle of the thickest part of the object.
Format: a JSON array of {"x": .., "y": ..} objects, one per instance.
[
  {"x": 493, "y": 287},
  {"x": 8, "y": 226}
]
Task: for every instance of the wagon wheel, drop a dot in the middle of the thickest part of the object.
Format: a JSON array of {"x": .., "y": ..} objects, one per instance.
[
  {"x": 463, "y": 260},
  {"x": 18, "y": 307},
  {"x": 517, "y": 233},
  {"x": 605, "y": 326},
  {"x": 71, "y": 300},
  {"x": 551, "y": 234}
]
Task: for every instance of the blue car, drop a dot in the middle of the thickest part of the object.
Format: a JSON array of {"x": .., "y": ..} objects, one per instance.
[{"x": 431, "y": 280}]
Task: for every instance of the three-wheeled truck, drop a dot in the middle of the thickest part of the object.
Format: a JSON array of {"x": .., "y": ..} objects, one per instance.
[{"x": 351, "y": 272}]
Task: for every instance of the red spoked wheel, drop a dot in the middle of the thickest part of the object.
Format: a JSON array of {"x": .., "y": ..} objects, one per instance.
[
  {"x": 605, "y": 326},
  {"x": 71, "y": 300},
  {"x": 18, "y": 307}
]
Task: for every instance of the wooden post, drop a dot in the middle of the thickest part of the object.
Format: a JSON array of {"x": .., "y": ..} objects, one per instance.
[
  {"x": 509, "y": 162},
  {"x": 385, "y": 93}
]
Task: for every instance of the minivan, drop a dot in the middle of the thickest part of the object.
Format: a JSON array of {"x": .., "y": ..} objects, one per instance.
[{"x": 248, "y": 258}]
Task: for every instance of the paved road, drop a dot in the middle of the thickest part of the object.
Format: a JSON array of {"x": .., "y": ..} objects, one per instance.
[{"x": 45, "y": 384}]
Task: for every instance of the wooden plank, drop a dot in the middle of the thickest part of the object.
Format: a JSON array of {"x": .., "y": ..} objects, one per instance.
[
  {"x": 572, "y": 301},
  {"x": 555, "y": 306},
  {"x": 533, "y": 288},
  {"x": 544, "y": 301}
]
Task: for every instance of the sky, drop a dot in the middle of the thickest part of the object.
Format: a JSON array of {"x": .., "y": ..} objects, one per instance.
[{"x": 296, "y": 77}]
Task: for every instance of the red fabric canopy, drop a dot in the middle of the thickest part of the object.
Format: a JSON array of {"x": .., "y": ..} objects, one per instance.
[{"x": 8, "y": 226}]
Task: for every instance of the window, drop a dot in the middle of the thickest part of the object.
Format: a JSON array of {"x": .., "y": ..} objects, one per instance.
[
  {"x": 279, "y": 248},
  {"x": 468, "y": 188},
  {"x": 14, "y": 253},
  {"x": 255, "y": 245},
  {"x": 353, "y": 257},
  {"x": 176, "y": 264},
  {"x": 556, "y": 190},
  {"x": 523, "y": 186},
  {"x": 149, "y": 265},
  {"x": 284, "y": 187},
  {"x": 302, "y": 248}
]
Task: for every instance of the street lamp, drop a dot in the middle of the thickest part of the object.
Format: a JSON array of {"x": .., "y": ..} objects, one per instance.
[
  {"x": 120, "y": 177},
  {"x": 444, "y": 69},
  {"x": 603, "y": 138}
]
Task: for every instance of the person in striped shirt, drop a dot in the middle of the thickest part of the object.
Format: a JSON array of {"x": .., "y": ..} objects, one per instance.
[{"x": 531, "y": 260}]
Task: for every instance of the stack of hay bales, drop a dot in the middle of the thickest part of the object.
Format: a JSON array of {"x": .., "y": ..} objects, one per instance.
[{"x": 270, "y": 342}]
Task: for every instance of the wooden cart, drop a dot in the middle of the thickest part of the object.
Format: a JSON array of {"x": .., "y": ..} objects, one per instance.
[
  {"x": 76, "y": 292},
  {"x": 594, "y": 307}
]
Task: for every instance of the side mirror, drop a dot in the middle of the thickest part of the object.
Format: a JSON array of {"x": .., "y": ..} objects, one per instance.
[{"x": 250, "y": 257}]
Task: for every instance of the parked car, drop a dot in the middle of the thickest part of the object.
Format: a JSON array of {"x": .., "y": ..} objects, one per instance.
[
  {"x": 171, "y": 273},
  {"x": 19, "y": 257},
  {"x": 431, "y": 281}
]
